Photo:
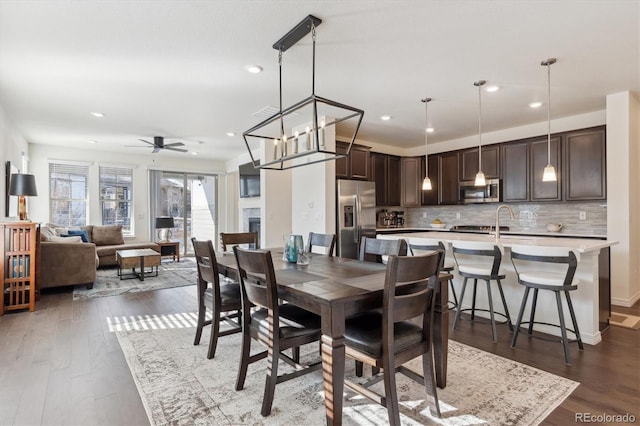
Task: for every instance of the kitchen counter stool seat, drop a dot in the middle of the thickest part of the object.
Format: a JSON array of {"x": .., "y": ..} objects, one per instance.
[
  {"x": 527, "y": 262},
  {"x": 480, "y": 261}
]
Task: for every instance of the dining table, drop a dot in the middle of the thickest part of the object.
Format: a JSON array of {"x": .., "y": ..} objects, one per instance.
[{"x": 336, "y": 288}]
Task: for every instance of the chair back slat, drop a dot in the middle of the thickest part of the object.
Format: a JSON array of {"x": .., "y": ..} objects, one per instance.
[
  {"x": 257, "y": 277},
  {"x": 525, "y": 258},
  {"x": 207, "y": 264},
  {"x": 407, "y": 293},
  {"x": 478, "y": 253},
  {"x": 232, "y": 239},
  {"x": 321, "y": 240},
  {"x": 372, "y": 249}
]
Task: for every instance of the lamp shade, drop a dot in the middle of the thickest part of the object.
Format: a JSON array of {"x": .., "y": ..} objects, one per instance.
[
  {"x": 23, "y": 184},
  {"x": 164, "y": 222}
]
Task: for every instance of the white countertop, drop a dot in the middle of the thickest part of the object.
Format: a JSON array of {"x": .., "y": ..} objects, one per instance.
[
  {"x": 520, "y": 233},
  {"x": 582, "y": 245}
]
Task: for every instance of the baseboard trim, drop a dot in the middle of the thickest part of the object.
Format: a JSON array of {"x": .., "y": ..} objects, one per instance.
[{"x": 626, "y": 303}]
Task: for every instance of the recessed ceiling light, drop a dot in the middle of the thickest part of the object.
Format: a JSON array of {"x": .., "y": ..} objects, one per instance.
[
  {"x": 98, "y": 114},
  {"x": 253, "y": 69},
  {"x": 230, "y": 134},
  {"x": 385, "y": 117},
  {"x": 430, "y": 130},
  {"x": 492, "y": 88},
  {"x": 92, "y": 142},
  {"x": 535, "y": 104},
  {"x": 194, "y": 153}
]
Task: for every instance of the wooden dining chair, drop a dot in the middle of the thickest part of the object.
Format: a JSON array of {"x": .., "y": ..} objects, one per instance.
[
  {"x": 299, "y": 327},
  {"x": 402, "y": 331},
  {"x": 321, "y": 240},
  {"x": 218, "y": 298},
  {"x": 372, "y": 249},
  {"x": 231, "y": 239},
  {"x": 422, "y": 245}
]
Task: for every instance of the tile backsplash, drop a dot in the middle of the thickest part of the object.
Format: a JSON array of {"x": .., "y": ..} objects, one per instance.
[{"x": 530, "y": 217}]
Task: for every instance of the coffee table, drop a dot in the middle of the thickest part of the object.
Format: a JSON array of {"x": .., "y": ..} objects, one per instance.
[{"x": 139, "y": 258}]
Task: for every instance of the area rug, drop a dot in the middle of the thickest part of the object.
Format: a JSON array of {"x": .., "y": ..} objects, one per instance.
[
  {"x": 178, "y": 385},
  {"x": 170, "y": 274},
  {"x": 625, "y": 320}
]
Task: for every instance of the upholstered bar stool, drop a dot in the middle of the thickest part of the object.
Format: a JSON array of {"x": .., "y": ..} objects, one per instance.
[
  {"x": 480, "y": 261},
  {"x": 421, "y": 245},
  {"x": 547, "y": 268}
]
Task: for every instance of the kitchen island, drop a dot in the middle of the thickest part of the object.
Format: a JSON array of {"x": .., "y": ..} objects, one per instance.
[{"x": 592, "y": 299}]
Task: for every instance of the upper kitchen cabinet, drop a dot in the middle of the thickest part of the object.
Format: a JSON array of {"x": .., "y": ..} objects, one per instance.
[
  {"x": 515, "y": 172},
  {"x": 430, "y": 198},
  {"x": 448, "y": 178},
  {"x": 385, "y": 172},
  {"x": 585, "y": 165},
  {"x": 411, "y": 179},
  {"x": 355, "y": 165},
  {"x": 545, "y": 191},
  {"x": 490, "y": 162}
]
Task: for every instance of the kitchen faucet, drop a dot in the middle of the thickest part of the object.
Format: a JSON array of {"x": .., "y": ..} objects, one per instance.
[{"x": 498, "y": 219}]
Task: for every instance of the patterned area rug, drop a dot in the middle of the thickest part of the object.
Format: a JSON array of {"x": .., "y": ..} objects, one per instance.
[
  {"x": 170, "y": 274},
  {"x": 178, "y": 385},
  {"x": 625, "y": 320}
]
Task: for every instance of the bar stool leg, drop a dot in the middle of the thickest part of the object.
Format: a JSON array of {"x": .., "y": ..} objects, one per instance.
[
  {"x": 473, "y": 306},
  {"x": 573, "y": 319},
  {"x": 504, "y": 303},
  {"x": 533, "y": 310},
  {"x": 493, "y": 319},
  {"x": 563, "y": 329},
  {"x": 459, "y": 310},
  {"x": 520, "y": 315}
]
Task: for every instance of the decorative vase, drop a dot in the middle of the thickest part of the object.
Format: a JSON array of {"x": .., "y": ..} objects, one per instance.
[{"x": 293, "y": 247}]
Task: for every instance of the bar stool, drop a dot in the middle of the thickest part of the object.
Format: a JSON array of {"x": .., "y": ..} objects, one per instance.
[
  {"x": 480, "y": 261},
  {"x": 559, "y": 280},
  {"x": 420, "y": 245}
]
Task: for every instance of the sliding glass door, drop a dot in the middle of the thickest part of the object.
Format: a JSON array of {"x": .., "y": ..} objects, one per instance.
[{"x": 190, "y": 200}]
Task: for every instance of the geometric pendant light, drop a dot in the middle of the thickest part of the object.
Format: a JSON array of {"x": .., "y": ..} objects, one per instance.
[
  {"x": 480, "y": 180},
  {"x": 426, "y": 183},
  {"x": 549, "y": 174}
]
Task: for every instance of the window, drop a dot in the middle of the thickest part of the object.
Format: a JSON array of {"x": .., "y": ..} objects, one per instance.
[
  {"x": 68, "y": 184},
  {"x": 116, "y": 197}
]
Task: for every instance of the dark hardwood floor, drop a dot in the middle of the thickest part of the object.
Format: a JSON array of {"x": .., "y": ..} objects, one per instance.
[{"x": 62, "y": 364}]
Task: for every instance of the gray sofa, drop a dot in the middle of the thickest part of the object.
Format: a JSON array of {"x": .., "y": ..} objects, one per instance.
[{"x": 66, "y": 261}]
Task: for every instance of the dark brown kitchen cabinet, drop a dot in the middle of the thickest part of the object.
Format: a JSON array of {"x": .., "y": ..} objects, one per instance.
[
  {"x": 448, "y": 179},
  {"x": 430, "y": 197},
  {"x": 411, "y": 179},
  {"x": 515, "y": 172},
  {"x": 385, "y": 172},
  {"x": 585, "y": 165},
  {"x": 545, "y": 191},
  {"x": 355, "y": 165},
  {"x": 490, "y": 162}
]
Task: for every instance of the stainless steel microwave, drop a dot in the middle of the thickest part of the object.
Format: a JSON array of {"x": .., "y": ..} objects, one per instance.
[{"x": 489, "y": 193}]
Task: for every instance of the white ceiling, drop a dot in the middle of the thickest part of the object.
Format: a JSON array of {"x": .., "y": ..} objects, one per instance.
[{"x": 176, "y": 68}]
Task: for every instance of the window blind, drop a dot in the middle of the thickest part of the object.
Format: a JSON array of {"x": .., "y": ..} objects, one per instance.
[{"x": 68, "y": 188}]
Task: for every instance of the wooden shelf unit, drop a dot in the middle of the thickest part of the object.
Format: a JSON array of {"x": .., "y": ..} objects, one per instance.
[{"x": 18, "y": 266}]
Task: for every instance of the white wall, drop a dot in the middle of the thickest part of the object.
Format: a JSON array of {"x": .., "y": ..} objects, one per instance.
[
  {"x": 41, "y": 155},
  {"x": 13, "y": 145},
  {"x": 623, "y": 181}
]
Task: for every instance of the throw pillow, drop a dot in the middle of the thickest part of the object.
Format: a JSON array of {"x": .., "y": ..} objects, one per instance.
[
  {"x": 82, "y": 233},
  {"x": 46, "y": 233},
  {"x": 107, "y": 235},
  {"x": 67, "y": 240}
]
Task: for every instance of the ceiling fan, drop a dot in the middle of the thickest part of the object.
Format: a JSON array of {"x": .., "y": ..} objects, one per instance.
[{"x": 158, "y": 144}]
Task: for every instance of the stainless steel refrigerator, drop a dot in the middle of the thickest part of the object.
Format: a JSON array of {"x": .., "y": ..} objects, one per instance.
[{"x": 356, "y": 215}]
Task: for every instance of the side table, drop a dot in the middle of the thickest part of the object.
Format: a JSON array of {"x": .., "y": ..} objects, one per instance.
[{"x": 169, "y": 248}]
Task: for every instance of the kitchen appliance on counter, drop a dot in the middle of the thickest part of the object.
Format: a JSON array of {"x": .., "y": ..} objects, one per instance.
[
  {"x": 356, "y": 215},
  {"x": 399, "y": 218},
  {"x": 489, "y": 193}
]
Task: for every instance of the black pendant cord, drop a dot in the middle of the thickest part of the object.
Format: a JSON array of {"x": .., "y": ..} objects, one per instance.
[
  {"x": 280, "y": 78},
  {"x": 313, "y": 86}
]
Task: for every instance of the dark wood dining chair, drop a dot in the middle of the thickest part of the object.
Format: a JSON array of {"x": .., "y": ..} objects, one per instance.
[
  {"x": 372, "y": 249},
  {"x": 219, "y": 298},
  {"x": 231, "y": 239},
  {"x": 389, "y": 338},
  {"x": 258, "y": 287},
  {"x": 321, "y": 240}
]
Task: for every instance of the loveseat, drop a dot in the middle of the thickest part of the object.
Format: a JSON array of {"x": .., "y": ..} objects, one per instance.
[{"x": 68, "y": 260}]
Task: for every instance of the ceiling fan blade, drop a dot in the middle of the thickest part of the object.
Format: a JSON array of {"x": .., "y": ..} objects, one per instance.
[
  {"x": 173, "y": 144},
  {"x": 176, "y": 149}
]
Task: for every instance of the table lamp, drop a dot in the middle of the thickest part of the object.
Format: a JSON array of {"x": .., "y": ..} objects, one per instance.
[
  {"x": 164, "y": 225},
  {"x": 23, "y": 185}
]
